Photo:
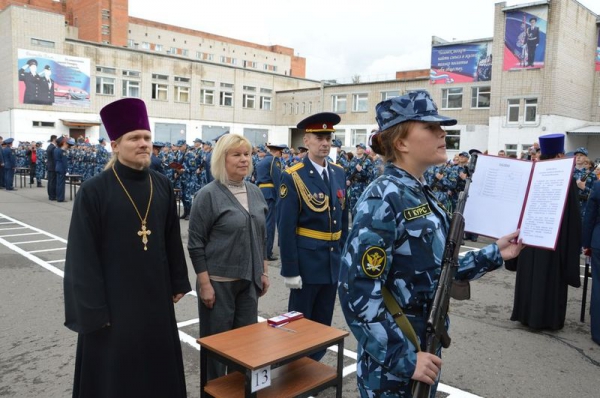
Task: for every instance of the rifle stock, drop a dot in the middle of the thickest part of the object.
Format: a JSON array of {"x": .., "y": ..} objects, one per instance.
[{"x": 436, "y": 333}]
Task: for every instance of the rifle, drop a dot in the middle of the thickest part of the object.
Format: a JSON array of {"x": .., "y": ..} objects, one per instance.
[{"x": 436, "y": 332}]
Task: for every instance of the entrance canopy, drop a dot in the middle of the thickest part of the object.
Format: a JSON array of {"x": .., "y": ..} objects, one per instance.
[
  {"x": 79, "y": 123},
  {"x": 588, "y": 130}
]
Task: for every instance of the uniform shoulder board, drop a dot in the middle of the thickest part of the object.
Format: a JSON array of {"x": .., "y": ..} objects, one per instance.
[
  {"x": 335, "y": 164},
  {"x": 294, "y": 168}
]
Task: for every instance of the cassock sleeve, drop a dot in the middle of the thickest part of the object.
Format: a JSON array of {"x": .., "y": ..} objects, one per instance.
[
  {"x": 180, "y": 282},
  {"x": 86, "y": 309}
]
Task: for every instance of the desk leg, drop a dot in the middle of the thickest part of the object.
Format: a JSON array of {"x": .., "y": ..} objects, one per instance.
[
  {"x": 203, "y": 376},
  {"x": 248, "y": 385},
  {"x": 340, "y": 369}
]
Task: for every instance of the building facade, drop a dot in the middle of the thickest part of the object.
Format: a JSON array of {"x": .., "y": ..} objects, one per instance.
[{"x": 538, "y": 74}]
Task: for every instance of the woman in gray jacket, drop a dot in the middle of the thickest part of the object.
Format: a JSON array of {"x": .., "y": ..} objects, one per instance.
[{"x": 227, "y": 236}]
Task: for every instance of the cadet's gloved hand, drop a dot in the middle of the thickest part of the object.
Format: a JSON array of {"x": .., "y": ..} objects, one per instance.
[{"x": 293, "y": 282}]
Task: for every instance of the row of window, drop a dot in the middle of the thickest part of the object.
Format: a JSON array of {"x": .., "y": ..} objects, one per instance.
[
  {"x": 202, "y": 56},
  {"x": 181, "y": 93},
  {"x": 452, "y": 98}
]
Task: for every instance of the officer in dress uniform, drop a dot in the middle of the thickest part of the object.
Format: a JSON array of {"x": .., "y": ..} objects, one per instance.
[
  {"x": 312, "y": 219},
  {"x": 268, "y": 174},
  {"x": 33, "y": 81}
]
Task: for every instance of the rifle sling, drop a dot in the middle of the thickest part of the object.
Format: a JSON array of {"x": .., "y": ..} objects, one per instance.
[{"x": 403, "y": 323}]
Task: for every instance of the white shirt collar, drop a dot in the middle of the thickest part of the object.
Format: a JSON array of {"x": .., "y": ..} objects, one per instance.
[{"x": 320, "y": 168}]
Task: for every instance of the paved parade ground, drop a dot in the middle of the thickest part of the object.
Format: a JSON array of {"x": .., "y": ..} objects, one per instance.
[{"x": 490, "y": 356}]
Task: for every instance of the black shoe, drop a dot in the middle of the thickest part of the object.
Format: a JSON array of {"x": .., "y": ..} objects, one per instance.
[
  {"x": 187, "y": 218},
  {"x": 272, "y": 258}
]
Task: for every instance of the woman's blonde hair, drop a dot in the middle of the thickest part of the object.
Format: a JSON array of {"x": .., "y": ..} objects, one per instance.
[
  {"x": 384, "y": 142},
  {"x": 219, "y": 153}
]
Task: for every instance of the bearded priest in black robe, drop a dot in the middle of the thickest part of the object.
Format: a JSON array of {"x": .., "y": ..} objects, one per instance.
[
  {"x": 543, "y": 276},
  {"x": 125, "y": 268}
]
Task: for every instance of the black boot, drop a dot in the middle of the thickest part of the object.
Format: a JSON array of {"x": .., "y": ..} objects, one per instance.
[
  {"x": 39, "y": 184},
  {"x": 186, "y": 215}
]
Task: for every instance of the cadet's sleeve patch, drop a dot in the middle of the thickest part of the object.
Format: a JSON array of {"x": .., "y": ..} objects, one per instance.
[
  {"x": 374, "y": 261},
  {"x": 416, "y": 212},
  {"x": 283, "y": 191}
]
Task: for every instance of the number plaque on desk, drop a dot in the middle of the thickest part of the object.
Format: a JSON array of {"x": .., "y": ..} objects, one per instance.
[{"x": 261, "y": 378}]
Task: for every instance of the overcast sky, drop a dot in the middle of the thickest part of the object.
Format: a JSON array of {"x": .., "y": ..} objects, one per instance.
[{"x": 338, "y": 38}]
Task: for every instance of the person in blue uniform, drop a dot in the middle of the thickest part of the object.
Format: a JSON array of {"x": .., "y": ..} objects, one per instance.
[
  {"x": 397, "y": 241},
  {"x": 591, "y": 240},
  {"x": 268, "y": 174},
  {"x": 10, "y": 163},
  {"x": 61, "y": 165},
  {"x": 155, "y": 162},
  {"x": 584, "y": 176},
  {"x": 312, "y": 219},
  {"x": 1, "y": 163},
  {"x": 50, "y": 165},
  {"x": 207, "y": 148}
]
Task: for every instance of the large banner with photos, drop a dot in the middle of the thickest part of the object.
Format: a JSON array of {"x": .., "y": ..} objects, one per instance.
[
  {"x": 461, "y": 63},
  {"x": 53, "y": 79},
  {"x": 525, "y": 38}
]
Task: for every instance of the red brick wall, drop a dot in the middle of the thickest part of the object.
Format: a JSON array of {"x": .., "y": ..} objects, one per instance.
[
  {"x": 45, "y": 5},
  {"x": 298, "y": 67}
]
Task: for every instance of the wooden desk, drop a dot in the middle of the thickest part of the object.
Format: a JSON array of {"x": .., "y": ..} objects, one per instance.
[
  {"x": 260, "y": 345},
  {"x": 74, "y": 180},
  {"x": 23, "y": 174}
]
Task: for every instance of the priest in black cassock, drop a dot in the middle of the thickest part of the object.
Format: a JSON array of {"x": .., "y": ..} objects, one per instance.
[
  {"x": 125, "y": 268},
  {"x": 543, "y": 276}
]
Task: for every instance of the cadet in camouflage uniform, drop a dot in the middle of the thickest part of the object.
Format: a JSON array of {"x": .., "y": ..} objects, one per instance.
[
  {"x": 397, "y": 241},
  {"x": 441, "y": 179},
  {"x": 584, "y": 177},
  {"x": 187, "y": 177},
  {"x": 359, "y": 174},
  {"x": 40, "y": 164},
  {"x": 102, "y": 156},
  {"x": 341, "y": 158}
]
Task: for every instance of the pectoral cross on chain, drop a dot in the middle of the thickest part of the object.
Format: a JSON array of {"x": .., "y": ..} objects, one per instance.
[{"x": 144, "y": 234}]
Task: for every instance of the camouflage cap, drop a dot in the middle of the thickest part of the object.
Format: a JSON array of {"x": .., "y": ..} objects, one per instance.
[
  {"x": 580, "y": 150},
  {"x": 181, "y": 142},
  {"x": 464, "y": 154},
  {"x": 335, "y": 143},
  {"x": 416, "y": 105},
  {"x": 361, "y": 145},
  {"x": 261, "y": 148}
]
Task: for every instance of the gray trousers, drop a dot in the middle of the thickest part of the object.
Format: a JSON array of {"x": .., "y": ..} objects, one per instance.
[{"x": 236, "y": 305}]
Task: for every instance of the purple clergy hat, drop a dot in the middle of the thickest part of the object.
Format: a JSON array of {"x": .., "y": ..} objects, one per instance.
[
  {"x": 124, "y": 116},
  {"x": 552, "y": 144}
]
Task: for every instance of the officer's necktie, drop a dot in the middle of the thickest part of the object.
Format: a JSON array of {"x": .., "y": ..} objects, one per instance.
[{"x": 325, "y": 178}]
